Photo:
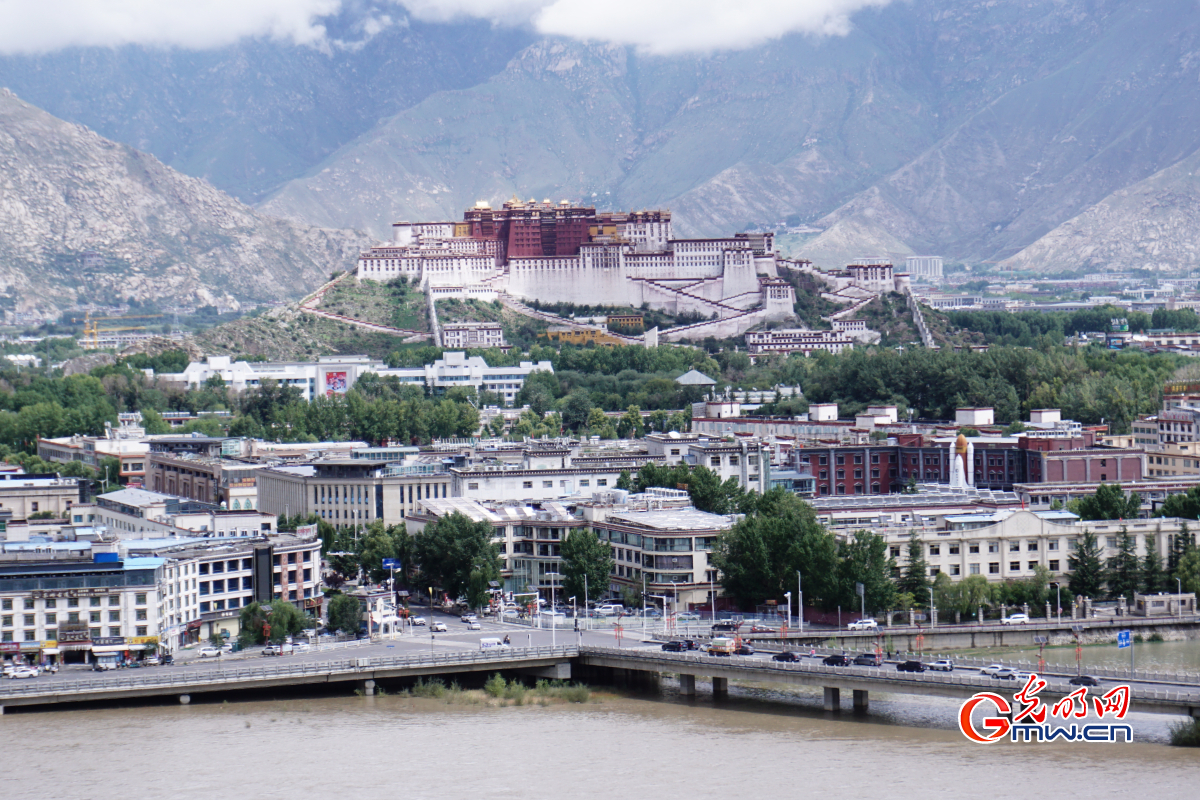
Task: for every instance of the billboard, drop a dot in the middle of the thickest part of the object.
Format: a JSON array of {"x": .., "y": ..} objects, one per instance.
[{"x": 336, "y": 383}]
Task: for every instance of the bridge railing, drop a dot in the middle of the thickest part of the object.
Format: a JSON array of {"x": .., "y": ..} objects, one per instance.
[{"x": 170, "y": 677}]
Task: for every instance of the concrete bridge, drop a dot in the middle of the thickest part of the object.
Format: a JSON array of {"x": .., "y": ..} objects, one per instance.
[
  {"x": 631, "y": 665},
  {"x": 543, "y": 662},
  {"x": 1165, "y": 696}
]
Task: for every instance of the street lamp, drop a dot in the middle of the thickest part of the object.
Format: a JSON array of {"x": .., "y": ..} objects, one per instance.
[
  {"x": 932, "y": 608},
  {"x": 800, "y": 602},
  {"x": 553, "y": 610},
  {"x": 788, "y": 618},
  {"x": 1058, "y": 589}
]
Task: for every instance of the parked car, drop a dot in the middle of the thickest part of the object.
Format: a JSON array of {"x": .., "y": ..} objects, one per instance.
[
  {"x": 787, "y": 656},
  {"x": 210, "y": 652},
  {"x": 438, "y": 627},
  {"x": 688, "y": 616},
  {"x": 468, "y": 618},
  {"x": 991, "y": 669},
  {"x": 725, "y": 627},
  {"x": 1023, "y": 677},
  {"x": 1084, "y": 680},
  {"x": 744, "y": 649},
  {"x": 761, "y": 629},
  {"x": 674, "y": 647},
  {"x": 863, "y": 625},
  {"x": 24, "y": 672},
  {"x": 1005, "y": 674},
  {"x": 167, "y": 659},
  {"x": 301, "y": 647},
  {"x": 942, "y": 665},
  {"x": 868, "y": 660},
  {"x": 272, "y": 650},
  {"x": 1015, "y": 619},
  {"x": 150, "y": 661},
  {"x": 474, "y": 626},
  {"x": 417, "y": 621},
  {"x": 910, "y": 666},
  {"x": 835, "y": 661},
  {"x": 510, "y": 613}
]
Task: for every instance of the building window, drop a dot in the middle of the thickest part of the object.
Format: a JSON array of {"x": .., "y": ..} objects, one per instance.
[
  {"x": 1054, "y": 565},
  {"x": 141, "y": 614},
  {"x": 114, "y": 616},
  {"x": 547, "y": 484},
  {"x": 93, "y": 616},
  {"x": 140, "y": 598},
  {"x": 527, "y": 485},
  {"x": 1014, "y": 566},
  {"x": 993, "y": 568},
  {"x": 954, "y": 569},
  {"x": 973, "y": 549},
  {"x": 1052, "y": 544},
  {"x": 1014, "y": 547},
  {"x": 602, "y": 482},
  {"x": 473, "y": 486},
  {"x": 141, "y": 630},
  {"x": 935, "y": 550},
  {"x": 953, "y": 549},
  {"x": 974, "y": 568}
]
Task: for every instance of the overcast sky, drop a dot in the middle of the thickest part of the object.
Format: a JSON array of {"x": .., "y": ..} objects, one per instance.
[{"x": 664, "y": 27}]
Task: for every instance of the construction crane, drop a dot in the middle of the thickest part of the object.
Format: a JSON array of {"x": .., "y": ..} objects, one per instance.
[{"x": 91, "y": 332}]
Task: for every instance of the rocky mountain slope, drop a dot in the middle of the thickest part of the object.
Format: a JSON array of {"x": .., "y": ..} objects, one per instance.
[
  {"x": 153, "y": 232},
  {"x": 966, "y": 128}
]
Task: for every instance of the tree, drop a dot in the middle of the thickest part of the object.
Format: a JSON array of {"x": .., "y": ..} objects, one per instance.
[
  {"x": 381, "y": 543},
  {"x": 286, "y": 620},
  {"x": 576, "y": 410},
  {"x": 625, "y": 481},
  {"x": 345, "y": 614},
  {"x": 1182, "y": 506},
  {"x": 1109, "y": 502},
  {"x": 584, "y": 555},
  {"x": 865, "y": 560},
  {"x": 152, "y": 422},
  {"x": 1123, "y": 571},
  {"x": 1181, "y": 542},
  {"x": 630, "y": 425},
  {"x": 1153, "y": 578},
  {"x": 252, "y": 624},
  {"x": 1189, "y": 571},
  {"x": 452, "y": 547},
  {"x": 915, "y": 579},
  {"x": 1087, "y": 568},
  {"x": 759, "y": 556}
]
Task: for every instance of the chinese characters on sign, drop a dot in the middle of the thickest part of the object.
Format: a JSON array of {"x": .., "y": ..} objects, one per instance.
[{"x": 1028, "y": 719}]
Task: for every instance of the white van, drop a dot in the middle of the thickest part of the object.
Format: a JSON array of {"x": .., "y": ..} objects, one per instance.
[
  {"x": 610, "y": 610},
  {"x": 491, "y": 643}
]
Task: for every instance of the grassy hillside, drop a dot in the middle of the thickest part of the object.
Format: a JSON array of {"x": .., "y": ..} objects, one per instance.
[
  {"x": 396, "y": 303},
  {"x": 519, "y": 330},
  {"x": 889, "y": 315},
  {"x": 288, "y": 334}
]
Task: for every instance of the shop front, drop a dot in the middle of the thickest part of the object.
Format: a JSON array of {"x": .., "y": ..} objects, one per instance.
[{"x": 74, "y": 643}]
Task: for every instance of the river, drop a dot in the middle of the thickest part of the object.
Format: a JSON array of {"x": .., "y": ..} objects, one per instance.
[{"x": 759, "y": 743}]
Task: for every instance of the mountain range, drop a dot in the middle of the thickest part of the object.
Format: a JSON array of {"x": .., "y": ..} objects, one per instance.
[{"x": 1046, "y": 135}]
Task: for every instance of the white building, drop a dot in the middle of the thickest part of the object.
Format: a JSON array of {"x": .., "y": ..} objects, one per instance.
[
  {"x": 332, "y": 375},
  {"x": 797, "y": 340},
  {"x": 473, "y": 335},
  {"x": 924, "y": 266}
]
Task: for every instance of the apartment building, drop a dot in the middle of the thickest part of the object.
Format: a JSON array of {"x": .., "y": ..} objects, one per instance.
[{"x": 23, "y": 494}]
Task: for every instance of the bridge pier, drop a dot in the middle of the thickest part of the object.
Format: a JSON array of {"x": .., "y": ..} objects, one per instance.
[
  {"x": 368, "y": 687},
  {"x": 184, "y": 699},
  {"x": 860, "y": 701},
  {"x": 833, "y": 698},
  {"x": 720, "y": 688},
  {"x": 555, "y": 672},
  {"x": 687, "y": 685}
]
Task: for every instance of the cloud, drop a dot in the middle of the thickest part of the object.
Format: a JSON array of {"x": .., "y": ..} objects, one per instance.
[
  {"x": 660, "y": 27},
  {"x": 39, "y": 26}
]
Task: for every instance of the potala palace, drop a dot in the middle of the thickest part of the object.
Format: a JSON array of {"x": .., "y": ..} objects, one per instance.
[{"x": 574, "y": 254}]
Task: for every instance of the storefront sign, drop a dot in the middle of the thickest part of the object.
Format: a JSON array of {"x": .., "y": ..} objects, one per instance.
[
  {"x": 48, "y": 593},
  {"x": 108, "y": 641},
  {"x": 9, "y": 647},
  {"x": 151, "y": 640},
  {"x": 74, "y": 632}
]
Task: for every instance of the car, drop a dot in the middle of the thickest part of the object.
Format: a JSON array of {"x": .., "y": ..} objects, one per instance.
[
  {"x": 151, "y": 661},
  {"x": 438, "y": 627},
  {"x": 8, "y": 668},
  {"x": 744, "y": 649},
  {"x": 991, "y": 669},
  {"x": 1023, "y": 677},
  {"x": 674, "y": 647},
  {"x": 1083, "y": 680},
  {"x": 761, "y": 629},
  {"x": 688, "y": 616},
  {"x": 835, "y": 661},
  {"x": 725, "y": 627},
  {"x": 863, "y": 625},
  {"x": 910, "y": 666},
  {"x": 1005, "y": 674},
  {"x": 1015, "y": 619},
  {"x": 24, "y": 672},
  {"x": 103, "y": 666},
  {"x": 468, "y": 618},
  {"x": 167, "y": 659},
  {"x": 868, "y": 660},
  {"x": 417, "y": 621},
  {"x": 301, "y": 647},
  {"x": 272, "y": 650},
  {"x": 787, "y": 656},
  {"x": 474, "y": 626},
  {"x": 227, "y": 647},
  {"x": 510, "y": 613},
  {"x": 210, "y": 652},
  {"x": 942, "y": 665}
]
